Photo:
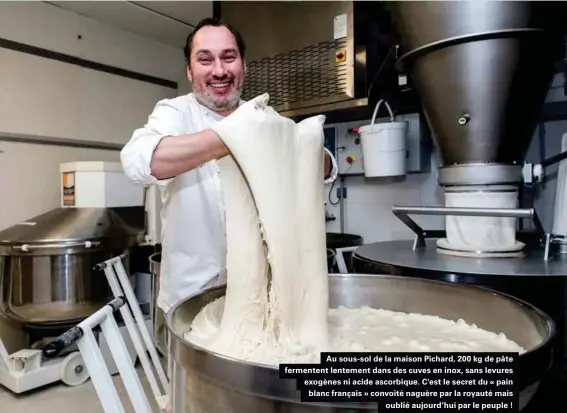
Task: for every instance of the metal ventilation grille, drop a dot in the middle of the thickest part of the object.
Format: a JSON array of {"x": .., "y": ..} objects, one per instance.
[{"x": 300, "y": 75}]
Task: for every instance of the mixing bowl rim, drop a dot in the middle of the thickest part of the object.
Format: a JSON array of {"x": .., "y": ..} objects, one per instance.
[{"x": 550, "y": 324}]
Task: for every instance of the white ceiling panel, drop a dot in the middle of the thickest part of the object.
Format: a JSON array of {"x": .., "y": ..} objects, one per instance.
[
  {"x": 186, "y": 11},
  {"x": 167, "y": 21}
]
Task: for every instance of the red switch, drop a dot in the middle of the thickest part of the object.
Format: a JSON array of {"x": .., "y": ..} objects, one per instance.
[{"x": 350, "y": 159}]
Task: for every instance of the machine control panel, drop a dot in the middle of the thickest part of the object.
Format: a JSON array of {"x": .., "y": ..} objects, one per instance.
[{"x": 349, "y": 149}]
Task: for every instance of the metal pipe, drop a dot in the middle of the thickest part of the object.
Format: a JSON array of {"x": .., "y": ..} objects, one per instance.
[
  {"x": 541, "y": 136},
  {"x": 471, "y": 212},
  {"x": 520, "y": 205},
  {"x": 554, "y": 159},
  {"x": 55, "y": 141},
  {"x": 342, "y": 204}
]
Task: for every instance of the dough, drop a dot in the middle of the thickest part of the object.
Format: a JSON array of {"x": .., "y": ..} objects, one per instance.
[
  {"x": 374, "y": 330},
  {"x": 276, "y": 307},
  {"x": 481, "y": 233},
  {"x": 246, "y": 302}
]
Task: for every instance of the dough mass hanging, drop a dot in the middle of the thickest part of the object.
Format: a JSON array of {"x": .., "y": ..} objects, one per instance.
[{"x": 276, "y": 307}]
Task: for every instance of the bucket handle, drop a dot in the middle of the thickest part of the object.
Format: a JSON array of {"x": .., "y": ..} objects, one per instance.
[{"x": 392, "y": 117}]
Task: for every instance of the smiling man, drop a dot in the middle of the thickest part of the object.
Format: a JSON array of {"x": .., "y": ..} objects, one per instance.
[{"x": 177, "y": 150}]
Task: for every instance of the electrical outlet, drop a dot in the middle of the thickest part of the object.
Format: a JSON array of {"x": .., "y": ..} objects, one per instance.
[{"x": 344, "y": 193}]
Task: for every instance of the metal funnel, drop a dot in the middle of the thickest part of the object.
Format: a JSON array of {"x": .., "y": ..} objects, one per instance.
[{"x": 482, "y": 69}]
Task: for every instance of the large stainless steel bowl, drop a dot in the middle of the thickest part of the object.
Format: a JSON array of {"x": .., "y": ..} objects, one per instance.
[
  {"x": 53, "y": 290},
  {"x": 206, "y": 382},
  {"x": 46, "y": 263}
]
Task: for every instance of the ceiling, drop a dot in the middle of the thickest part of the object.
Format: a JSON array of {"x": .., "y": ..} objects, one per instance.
[{"x": 167, "y": 21}]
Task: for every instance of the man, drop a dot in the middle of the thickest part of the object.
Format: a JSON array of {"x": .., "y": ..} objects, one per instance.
[{"x": 177, "y": 150}]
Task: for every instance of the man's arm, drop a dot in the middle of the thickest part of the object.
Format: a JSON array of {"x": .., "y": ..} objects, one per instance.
[
  {"x": 175, "y": 155},
  {"x": 160, "y": 150}
]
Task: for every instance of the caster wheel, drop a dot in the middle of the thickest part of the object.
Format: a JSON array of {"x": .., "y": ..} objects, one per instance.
[{"x": 73, "y": 370}]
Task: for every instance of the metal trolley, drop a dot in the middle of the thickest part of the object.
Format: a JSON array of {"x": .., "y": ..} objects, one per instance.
[{"x": 83, "y": 335}]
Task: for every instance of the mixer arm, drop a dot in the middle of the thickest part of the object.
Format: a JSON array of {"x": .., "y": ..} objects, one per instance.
[
  {"x": 420, "y": 233},
  {"x": 402, "y": 213}
]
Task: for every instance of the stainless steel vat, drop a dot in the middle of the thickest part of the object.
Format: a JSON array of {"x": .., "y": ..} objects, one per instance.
[
  {"x": 46, "y": 263},
  {"x": 206, "y": 382},
  {"x": 53, "y": 289}
]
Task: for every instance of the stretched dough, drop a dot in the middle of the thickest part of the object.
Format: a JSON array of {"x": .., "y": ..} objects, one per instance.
[
  {"x": 276, "y": 307},
  {"x": 246, "y": 300},
  {"x": 274, "y": 196}
]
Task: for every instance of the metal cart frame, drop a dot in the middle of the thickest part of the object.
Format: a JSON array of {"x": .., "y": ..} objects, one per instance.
[{"x": 124, "y": 301}]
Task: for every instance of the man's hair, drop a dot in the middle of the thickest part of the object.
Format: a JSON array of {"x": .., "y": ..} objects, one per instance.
[{"x": 211, "y": 21}]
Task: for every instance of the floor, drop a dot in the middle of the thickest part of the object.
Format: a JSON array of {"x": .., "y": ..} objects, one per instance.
[{"x": 60, "y": 398}]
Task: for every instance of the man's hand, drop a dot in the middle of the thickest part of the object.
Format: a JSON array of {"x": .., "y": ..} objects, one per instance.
[{"x": 328, "y": 168}]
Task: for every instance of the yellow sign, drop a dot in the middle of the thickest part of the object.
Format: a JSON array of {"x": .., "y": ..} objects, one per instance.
[{"x": 69, "y": 189}]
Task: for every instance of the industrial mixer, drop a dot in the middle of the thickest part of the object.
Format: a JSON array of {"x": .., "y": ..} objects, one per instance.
[
  {"x": 47, "y": 279},
  {"x": 482, "y": 70}
]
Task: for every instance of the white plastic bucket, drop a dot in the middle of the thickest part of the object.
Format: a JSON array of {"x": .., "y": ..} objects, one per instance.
[{"x": 384, "y": 150}]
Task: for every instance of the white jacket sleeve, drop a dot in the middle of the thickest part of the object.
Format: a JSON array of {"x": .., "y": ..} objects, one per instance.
[
  {"x": 136, "y": 155},
  {"x": 334, "y": 169}
]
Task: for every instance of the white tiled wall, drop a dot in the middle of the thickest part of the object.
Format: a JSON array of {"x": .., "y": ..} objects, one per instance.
[
  {"x": 553, "y": 131},
  {"x": 545, "y": 196},
  {"x": 368, "y": 207},
  {"x": 111, "y": 106},
  {"x": 90, "y": 105},
  {"x": 34, "y": 184}
]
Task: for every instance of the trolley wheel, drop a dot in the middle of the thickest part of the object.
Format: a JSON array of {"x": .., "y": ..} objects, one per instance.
[{"x": 73, "y": 370}]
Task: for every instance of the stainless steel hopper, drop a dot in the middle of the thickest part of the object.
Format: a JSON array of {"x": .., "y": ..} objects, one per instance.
[{"x": 482, "y": 69}]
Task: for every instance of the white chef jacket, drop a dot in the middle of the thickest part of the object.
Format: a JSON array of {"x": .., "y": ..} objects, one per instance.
[{"x": 193, "y": 223}]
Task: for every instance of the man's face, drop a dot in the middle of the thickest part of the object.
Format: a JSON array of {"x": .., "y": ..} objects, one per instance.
[{"x": 216, "y": 69}]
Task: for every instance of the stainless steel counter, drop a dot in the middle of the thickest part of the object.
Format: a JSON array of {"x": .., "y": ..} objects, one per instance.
[{"x": 395, "y": 256}]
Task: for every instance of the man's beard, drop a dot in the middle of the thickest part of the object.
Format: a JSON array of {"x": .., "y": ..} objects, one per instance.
[{"x": 208, "y": 100}]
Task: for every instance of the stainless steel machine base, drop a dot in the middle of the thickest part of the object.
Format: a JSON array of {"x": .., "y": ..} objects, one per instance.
[
  {"x": 529, "y": 278},
  {"x": 398, "y": 257},
  {"x": 206, "y": 382}
]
